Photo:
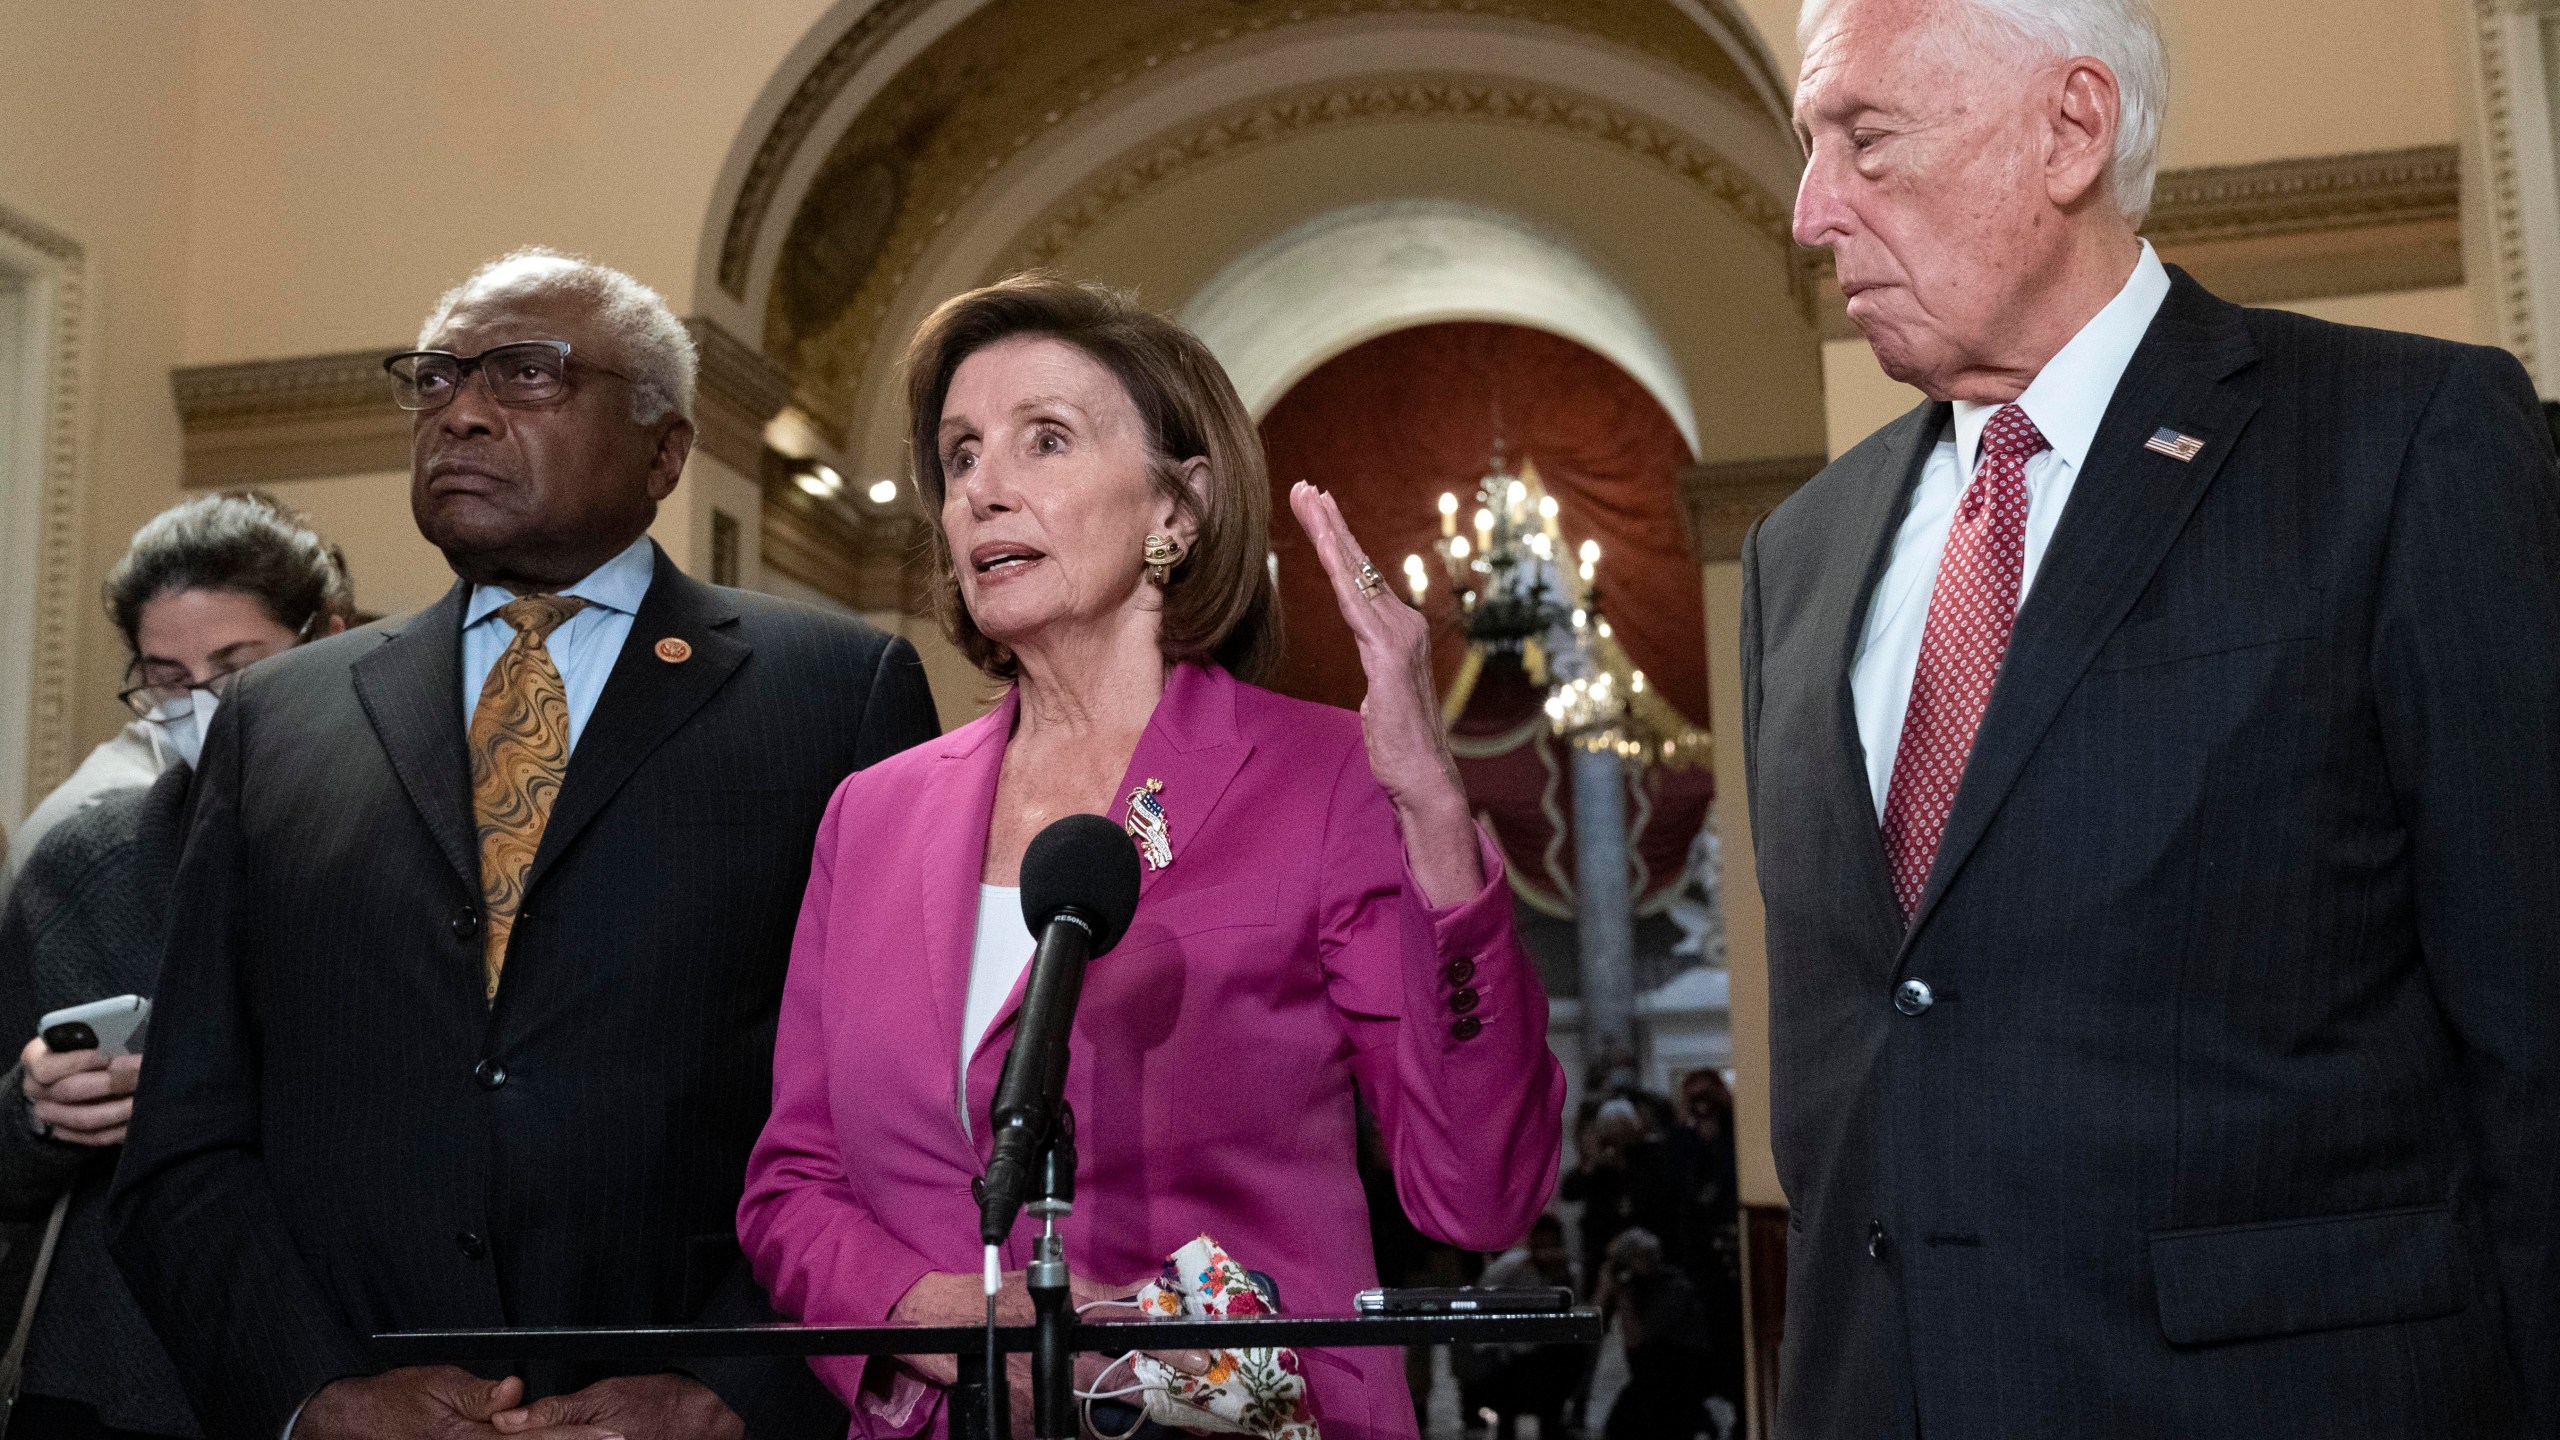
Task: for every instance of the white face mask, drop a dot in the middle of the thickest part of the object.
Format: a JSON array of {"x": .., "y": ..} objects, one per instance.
[{"x": 184, "y": 736}]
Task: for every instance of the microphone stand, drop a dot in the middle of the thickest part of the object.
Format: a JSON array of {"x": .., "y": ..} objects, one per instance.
[{"x": 1053, "y": 1361}]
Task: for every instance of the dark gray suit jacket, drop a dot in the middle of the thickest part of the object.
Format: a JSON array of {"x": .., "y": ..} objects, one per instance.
[
  {"x": 2237, "y": 1110},
  {"x": 337, "y": 1135},
  {"x": 86, "y": 920}
]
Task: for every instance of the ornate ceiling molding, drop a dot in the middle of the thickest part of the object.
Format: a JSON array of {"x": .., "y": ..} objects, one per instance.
[
  {"x": 65, "y": 268},
  {"x": 1272, "y": 119},
  {"x": 1719, "y": 502},
  {"x": 1661, "y": 31},
  {"x": 800, "y": 114},
  {"x": 2287, "y": 230}
]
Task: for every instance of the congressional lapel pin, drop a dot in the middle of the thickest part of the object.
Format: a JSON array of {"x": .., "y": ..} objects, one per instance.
[
  {"x": 2178, "y": 445},
  {"x": 1147, "y": 826},
  {"x": 674, "y": 651}
]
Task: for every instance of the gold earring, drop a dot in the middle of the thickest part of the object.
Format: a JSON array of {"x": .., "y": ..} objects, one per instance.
[{"x": 1161, "y": 556}]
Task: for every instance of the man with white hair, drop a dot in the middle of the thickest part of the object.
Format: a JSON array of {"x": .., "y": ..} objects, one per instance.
[
  {"x": 2154, "y": 753},
  {"x": 482, "y": 923}
]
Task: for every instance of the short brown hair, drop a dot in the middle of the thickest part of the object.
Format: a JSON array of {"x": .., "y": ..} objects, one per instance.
[{"x": 1219, "y": 604}]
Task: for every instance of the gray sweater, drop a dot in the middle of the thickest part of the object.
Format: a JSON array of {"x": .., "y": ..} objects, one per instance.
[{"x": 85, "y": 921}]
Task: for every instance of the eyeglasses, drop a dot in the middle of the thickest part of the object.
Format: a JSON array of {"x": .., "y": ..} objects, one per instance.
[
  {"x": 171, "y": 699},
  {"x": 525, "y": 373}
]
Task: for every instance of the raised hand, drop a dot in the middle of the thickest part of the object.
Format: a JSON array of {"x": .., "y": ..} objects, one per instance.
[{"x": 1400, "y": 714}]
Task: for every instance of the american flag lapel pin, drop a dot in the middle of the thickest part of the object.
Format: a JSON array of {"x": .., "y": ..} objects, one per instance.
[{"x": 2178, "y": 445}]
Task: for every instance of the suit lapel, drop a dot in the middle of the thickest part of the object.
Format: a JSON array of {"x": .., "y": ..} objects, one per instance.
[
  {"x": 411, "y": 690},
  {"x": 1192, "y": 746},
  {"x": 2125, "y": 511},
  {"x": 644, "y": 700},
  {"x": 969, "y": 762},
  {"x": 1883, "y": 497}
]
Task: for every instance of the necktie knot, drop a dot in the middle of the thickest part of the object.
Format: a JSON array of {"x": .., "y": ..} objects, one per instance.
[
  {"x": 539, "y": 615},
  {"x": 2011, "y": 436}
]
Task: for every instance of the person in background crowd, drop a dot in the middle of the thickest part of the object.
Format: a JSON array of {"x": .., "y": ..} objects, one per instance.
[
  {"x": 1711, "y": 1222},
  {"x": 1664, "y": 1328},
  {"x": 1516, "y": 1380},
  {"x": 207, "y": 588},
  {"x": 1624, "y": 1177},
  {"x": 173, "y": 600},
  {"x": 485, "y": 911}
]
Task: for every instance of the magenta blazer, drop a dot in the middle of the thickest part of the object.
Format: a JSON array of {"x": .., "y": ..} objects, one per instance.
[{"x": 1283, "y": 959}]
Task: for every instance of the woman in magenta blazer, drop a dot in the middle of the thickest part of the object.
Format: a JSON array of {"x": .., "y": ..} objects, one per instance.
[{"x": 1320, "y": 916}]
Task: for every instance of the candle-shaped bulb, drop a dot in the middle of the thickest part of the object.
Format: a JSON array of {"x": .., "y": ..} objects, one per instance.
[
  {"x": 1590, "y": 552},
  {"x": 1448, "y": 513}
]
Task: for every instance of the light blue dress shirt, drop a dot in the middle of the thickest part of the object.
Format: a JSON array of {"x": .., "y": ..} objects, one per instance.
[{"x": 585, "y": 646}]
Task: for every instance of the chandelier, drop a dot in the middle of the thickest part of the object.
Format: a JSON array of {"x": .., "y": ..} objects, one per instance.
[{"x": 1516, "y": 594}]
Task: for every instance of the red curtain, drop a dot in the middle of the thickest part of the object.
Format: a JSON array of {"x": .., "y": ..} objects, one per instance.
[{"x": 1391, "y": 424}]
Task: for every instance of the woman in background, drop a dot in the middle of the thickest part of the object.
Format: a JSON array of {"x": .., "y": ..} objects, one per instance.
[
  {"x": 1319, "y": 914},
  {"x": 207, "y": 589}
]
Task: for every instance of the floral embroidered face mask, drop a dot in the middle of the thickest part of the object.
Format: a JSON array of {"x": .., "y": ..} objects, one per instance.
[{"x": 1246, "y": 1392}]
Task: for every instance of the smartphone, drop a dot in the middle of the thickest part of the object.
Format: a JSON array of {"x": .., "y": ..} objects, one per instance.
[
  {"x": 111, "y": 1027},
  {"x": 1462, "y": 1300}
]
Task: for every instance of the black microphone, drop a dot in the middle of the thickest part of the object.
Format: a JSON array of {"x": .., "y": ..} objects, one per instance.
[{"x": 1079, "y": 892}]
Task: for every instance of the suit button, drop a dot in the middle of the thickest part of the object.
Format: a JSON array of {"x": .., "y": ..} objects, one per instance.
[
  {"x": 490, "y": 1074},
  {"x": 1459, "y": 971},
  {"x": 471, "y": 1245},
  {"x": 1913, "y": 997},
  {"x": 465, "y": 922},
  {"x": 1468, "y": 1027},
  {"x": 1875, "y": 1240},
  {"x": 1464, "y": 1001}
]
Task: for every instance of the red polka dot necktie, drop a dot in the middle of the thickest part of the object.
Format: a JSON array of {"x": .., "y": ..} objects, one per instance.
[{"x": 1971, "y": 613}]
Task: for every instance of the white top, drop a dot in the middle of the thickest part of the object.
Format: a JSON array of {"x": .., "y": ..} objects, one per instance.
[
  {"x": 2066, "y": 401},
  {"x": 133, "y": 758},
  {"x": 997, "y": 959}
]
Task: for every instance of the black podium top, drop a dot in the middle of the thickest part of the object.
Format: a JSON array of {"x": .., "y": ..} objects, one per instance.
[{"x": 1105, "y": 1337}]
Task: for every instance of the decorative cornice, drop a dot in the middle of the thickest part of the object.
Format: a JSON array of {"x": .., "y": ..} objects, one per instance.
[
  {"x": 2288, "y": 230},
  {"x": 740, "y": 392},
  {"x": 267, "y": 420},
  {"x": 2293, "y": 197},
  {"x": 1719, "y": 502}
]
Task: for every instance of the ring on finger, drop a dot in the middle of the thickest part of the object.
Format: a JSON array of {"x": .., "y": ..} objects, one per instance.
[{"x": 1369, "y": 580}]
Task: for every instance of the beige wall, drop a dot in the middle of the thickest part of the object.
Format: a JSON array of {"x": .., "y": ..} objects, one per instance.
[
  {"x": 95, "y": 129},
  {"x": 351, "y": 160},
  {"x": 2274, "y": 79}
]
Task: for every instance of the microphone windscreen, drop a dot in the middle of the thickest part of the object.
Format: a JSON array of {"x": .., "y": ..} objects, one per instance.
[{"x": 1087, "y": 864}]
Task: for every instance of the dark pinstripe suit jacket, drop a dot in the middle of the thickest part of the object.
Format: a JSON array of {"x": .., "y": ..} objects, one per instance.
[
  {"x": 338, "y": 1136},
  {"x": 2238, "y": 1107}
]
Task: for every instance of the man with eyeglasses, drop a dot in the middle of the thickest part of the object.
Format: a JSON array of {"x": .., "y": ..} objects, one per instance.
[{"x": 494, "y": 903}]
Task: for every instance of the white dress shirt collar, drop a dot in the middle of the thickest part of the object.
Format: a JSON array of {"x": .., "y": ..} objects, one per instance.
[
  {"x": 618, "y": 585},
  {"x": 2070, "y": 395}
]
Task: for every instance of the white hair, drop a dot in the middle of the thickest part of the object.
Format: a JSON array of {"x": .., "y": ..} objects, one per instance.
[
  {"x": 657, "y": 350},
  {"x": 2125, "y": 34}
]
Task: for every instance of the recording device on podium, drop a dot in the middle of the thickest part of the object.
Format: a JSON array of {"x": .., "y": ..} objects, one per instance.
[{"x": 1079, "y": 892}]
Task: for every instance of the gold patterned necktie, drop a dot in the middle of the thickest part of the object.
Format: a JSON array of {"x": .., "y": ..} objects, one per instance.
[{"x": 519, "y": 751}]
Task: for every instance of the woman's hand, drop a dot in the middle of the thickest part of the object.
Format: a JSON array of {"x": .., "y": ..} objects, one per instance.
[
  {"x": 950, "y": 1298},
  {"x": 1400, "y": 714},
  {"x": 83, "y": 1096}
]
